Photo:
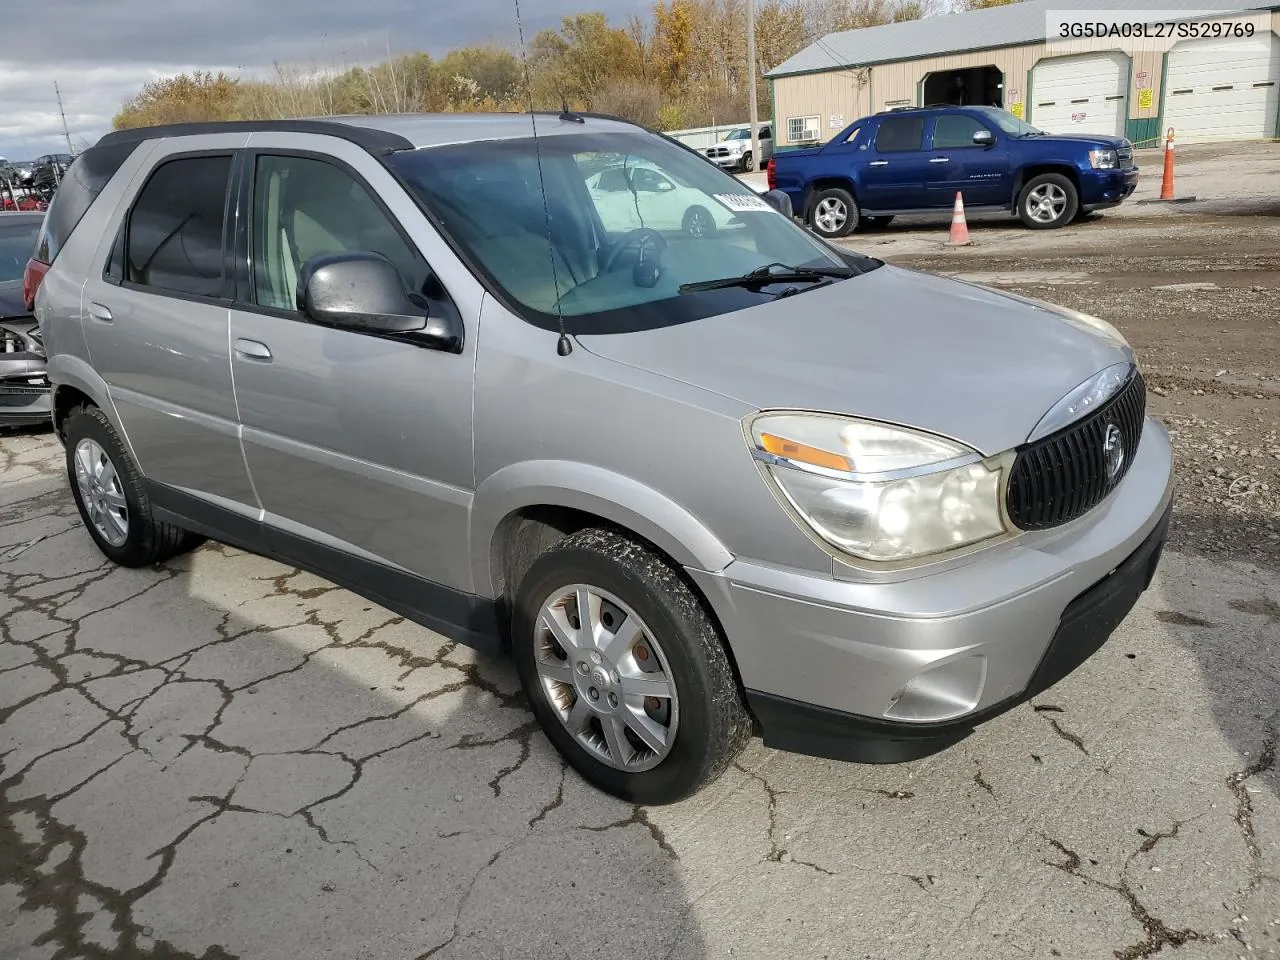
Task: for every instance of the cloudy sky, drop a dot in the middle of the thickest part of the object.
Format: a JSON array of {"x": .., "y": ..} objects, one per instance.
[{"x": 100, "y": 52}]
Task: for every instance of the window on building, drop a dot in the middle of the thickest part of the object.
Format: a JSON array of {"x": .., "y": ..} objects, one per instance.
[
  {"x": 802, "y": 129},
  {"x": 176, "y": 227},
  {"x": 897, "y": 134}
]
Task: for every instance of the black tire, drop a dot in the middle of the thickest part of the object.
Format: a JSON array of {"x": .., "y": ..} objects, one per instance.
[
  {"x": 713, "y": 724},
  {"x": 835, "y": 229},
  {"x": 874, "y": 223},
  {"x": 148, "y": 541},
  {"x": 699, "y": 223},
  {"x": 748, "y": 162},
  {"x": 1048, "y": 182}
]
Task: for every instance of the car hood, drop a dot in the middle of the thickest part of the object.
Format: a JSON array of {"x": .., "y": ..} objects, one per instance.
[
  {"x": 973, "y": 364},
  {"x": 1092, "y": 140}
]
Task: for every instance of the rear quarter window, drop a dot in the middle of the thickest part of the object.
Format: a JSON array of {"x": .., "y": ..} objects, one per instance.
[{"x": 85, "y": 179}]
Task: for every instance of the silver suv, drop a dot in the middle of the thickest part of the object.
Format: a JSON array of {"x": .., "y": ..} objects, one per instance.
[{"x": 698, "y": 483}]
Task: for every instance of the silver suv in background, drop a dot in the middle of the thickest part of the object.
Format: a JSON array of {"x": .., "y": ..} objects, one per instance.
[{"x": 697, "y": 484}]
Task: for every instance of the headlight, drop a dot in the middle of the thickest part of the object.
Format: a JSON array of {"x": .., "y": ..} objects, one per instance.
[
  {"x": 880, "y": 493},
  {"x": 1103, "y": 159}
]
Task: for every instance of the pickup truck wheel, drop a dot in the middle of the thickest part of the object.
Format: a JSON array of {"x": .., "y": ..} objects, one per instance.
[
  {"x": 748, "y": 164},
  {"x": 1048, "y": 201},
  {"x": 624, "y": 669},
  {"x": 834, "y": 213}
]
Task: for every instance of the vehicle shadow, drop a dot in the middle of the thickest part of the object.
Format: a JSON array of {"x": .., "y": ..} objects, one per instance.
[
  {"x": 1226, "y": 614},
  {"x": 223, "y": 757}
]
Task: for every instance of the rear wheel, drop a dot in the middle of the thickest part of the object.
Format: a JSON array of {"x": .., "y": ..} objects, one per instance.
[
  {"x": 110, "y": 495},
  {"x": 834, "y": 213},
  {"x": 625, "y": 670},
  {"x": 1048, "y": 201}
]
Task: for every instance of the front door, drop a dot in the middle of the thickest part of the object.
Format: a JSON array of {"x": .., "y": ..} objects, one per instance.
[
  {"x": 156, "y": 326},
  {"x": 895, "y": 168},
  {"x": 359, "y": 446},
  {"x": 958, "y": 165}
]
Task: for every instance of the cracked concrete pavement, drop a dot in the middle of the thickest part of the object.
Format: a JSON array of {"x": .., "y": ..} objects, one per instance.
[{"x": 222, "y": 757}]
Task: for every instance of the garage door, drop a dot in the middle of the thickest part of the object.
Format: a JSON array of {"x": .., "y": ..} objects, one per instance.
[
  {"x": 1223, "y": 89},
  {"x": 1080, "y": 94}
]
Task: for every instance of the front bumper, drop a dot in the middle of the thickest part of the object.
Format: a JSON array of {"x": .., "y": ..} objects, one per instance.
[
  {"x": 24, "y": 403},
  {"x": 883, "y": 671},
  {"x": 1107, "y": 188},
  {"x": 729, "y": 163}
]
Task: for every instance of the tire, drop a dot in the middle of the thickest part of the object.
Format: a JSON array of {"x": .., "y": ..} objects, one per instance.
[
  {"x": 874, "y": 223},
  {"x": 748, "y": 162},
  {"x": 828, "y": 209},
  {"x": 699, "y": 223},
  {"x": 142, "y": 540},
  {"x": 705, "y": 724},
  {"x": 1049, "y": 195}
]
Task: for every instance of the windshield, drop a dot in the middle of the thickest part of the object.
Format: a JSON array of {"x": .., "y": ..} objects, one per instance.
[
  {"x": 17, "y": 240},
  {"x": 626, "y": 221},
  {"x": 1010, "y": 124}
]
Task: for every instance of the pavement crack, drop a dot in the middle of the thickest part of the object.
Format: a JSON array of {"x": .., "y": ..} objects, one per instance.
[
  {"x": 522, "y": 735},
  {"x": 556, "y": 802},
  {"x": 1068, "y": 736},
  {"x": 640, "y": 816},
  {"x": 981, "y": 781},
  {"x": 1236, "y": 783}
]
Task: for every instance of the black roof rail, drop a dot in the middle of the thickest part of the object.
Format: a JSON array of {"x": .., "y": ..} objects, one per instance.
[{"x": 370, "y": 138}]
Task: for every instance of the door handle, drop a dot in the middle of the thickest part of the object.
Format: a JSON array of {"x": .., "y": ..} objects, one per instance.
[
  {"x": 100, "y": 313},
  {"x": 940, "y": 160},
  {"x": 878, "y": 163},
  {"x": 252, "y": 350}
]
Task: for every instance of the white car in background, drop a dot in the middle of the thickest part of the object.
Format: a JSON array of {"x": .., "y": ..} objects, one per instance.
[{"x": 639, "y": 195}]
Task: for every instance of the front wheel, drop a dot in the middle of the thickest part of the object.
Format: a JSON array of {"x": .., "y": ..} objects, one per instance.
[
  {"x": 1048, "y": 201},
  {"x": 834, "y": 213},
  {"x": 625, "y": 670},
  {"x": 698, "y": 222}
]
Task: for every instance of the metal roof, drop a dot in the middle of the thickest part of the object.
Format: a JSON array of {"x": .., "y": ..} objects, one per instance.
[{"x": 1011, "y": 25}]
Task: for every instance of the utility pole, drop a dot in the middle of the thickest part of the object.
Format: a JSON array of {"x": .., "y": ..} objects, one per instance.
[
  {"x": 65, "y": 132},
  {"x": 751, "y": 84}
]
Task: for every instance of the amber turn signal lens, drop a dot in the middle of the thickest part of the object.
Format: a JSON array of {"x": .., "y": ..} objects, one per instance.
[{"x": 803, "y": 453}]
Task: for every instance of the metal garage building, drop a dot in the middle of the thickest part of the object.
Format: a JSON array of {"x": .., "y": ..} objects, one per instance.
[{"x": 1221, "y": 88}]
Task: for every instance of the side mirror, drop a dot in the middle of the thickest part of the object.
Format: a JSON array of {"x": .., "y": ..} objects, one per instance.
[
  {"x": 984, "y": 138},
  {"x": 364, "y": 293},
  {"x": 779, "y": 201}
]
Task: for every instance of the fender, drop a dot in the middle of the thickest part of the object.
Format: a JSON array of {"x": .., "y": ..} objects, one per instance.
[
  {"x": 68, "y": 370},
  {"x": 612, "y": 496}
]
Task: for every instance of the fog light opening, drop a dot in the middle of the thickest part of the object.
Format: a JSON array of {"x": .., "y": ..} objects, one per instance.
[{"x": 945, "y": 692}]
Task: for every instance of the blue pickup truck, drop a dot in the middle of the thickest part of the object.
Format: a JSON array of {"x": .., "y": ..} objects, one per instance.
[{"x": 915, "y": 161}]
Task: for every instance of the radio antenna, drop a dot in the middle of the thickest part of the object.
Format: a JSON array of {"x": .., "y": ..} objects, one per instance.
[{"x": 564, "y": 346}]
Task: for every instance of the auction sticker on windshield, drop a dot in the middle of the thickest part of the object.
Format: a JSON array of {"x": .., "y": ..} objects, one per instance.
[{"x": 741, "y": 203}]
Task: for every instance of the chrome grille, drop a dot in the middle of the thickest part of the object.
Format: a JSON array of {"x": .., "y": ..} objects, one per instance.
[{"x": 1065, "y": 475}]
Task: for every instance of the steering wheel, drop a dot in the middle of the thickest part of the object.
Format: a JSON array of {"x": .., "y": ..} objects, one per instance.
[{"x": 638, "y": 238}]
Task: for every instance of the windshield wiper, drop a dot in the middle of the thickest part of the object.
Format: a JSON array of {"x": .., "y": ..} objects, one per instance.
[{"x": 772, "y": 273}]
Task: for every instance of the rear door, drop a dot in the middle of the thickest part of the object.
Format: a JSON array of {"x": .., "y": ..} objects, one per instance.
[
  {"x": 156, "y": 315},
  {"x": 958, "y": 165},
  {"x": 895, "y": 168}
]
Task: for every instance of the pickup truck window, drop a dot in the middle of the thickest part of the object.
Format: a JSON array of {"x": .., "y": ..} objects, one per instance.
[
  {"x": 955, "y": 130},
  {"x": 898, "y": 134}
]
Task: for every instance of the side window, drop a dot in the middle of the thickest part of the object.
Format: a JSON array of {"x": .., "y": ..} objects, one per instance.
[
  {"x": 175, "y": 230},
  {"x": 955, "y": 130},
  {"x": 766, "y": 133},
  {"x": 650, "y": 181},
  {"x": 305, "y": 208},
  {"x": 898, "y": 134},
  {"x": 612, "y": 181}
]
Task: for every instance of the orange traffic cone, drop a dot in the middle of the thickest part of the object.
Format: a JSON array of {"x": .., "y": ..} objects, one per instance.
[
  {"x": 959, "y": 228},
  {"x": 1166, "y": 185}
]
